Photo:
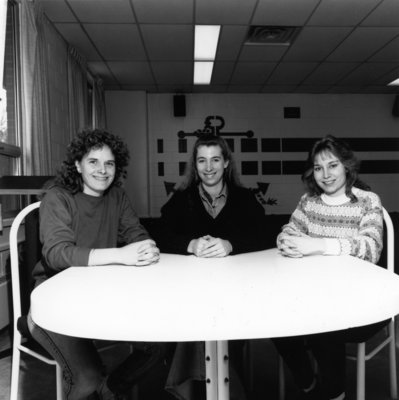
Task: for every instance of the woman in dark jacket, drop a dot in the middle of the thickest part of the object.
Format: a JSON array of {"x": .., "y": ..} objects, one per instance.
[{"x": 210, "y": 215}]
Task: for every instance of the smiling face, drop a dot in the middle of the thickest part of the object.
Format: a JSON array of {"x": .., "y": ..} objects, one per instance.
[
  {"x": 329, "y": 173},
  {"x": 210, "y": 165},
  {"x": 98, "y": 170}
]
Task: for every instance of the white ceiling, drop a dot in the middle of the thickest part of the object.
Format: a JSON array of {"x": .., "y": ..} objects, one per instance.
[{"x": 344, "y": 46}]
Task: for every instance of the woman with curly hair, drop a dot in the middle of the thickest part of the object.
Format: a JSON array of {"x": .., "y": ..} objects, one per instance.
[
  {"x": 86, "y": 219},
  {"x": 338, "y": 215}
]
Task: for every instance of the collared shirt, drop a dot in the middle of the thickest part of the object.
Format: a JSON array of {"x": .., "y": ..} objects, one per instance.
[{"x": 213, "y": 206}]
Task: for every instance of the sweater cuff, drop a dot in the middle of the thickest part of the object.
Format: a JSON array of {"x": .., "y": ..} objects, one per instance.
[{"x": 333, "y": 247}]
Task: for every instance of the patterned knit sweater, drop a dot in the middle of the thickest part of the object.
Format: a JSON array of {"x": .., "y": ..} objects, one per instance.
[{"x": 349, "y": 228}]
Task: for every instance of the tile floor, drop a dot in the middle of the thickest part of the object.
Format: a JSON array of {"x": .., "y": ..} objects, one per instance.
[{"x": 38, "y": 379}]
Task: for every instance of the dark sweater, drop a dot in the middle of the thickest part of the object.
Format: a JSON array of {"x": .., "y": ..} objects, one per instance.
[
  {"x": 73, "y": 224},
  {"x": 241, "y": 222}
]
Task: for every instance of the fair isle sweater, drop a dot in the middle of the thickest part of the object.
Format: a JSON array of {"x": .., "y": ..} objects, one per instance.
[{"x": 349, "y": 228}]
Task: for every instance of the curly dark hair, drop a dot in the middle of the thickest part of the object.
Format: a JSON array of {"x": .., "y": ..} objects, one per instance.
[
  {"x": 340, "y": 149},
  {"x": 69, "y": 178},
  {"x": 230, "y": 175}
]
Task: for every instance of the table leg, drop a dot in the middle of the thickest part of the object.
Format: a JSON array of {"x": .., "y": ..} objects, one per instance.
[{"x": 217, "y": 370}]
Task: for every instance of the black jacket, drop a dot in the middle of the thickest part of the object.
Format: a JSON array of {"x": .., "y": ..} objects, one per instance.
[{"x": 241, "y": 222}]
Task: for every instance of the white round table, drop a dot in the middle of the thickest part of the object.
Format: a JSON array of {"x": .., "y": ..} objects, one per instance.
[{"x": 247, "y": 296}]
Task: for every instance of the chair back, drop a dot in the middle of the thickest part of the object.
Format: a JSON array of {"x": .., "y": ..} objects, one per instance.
[
  {"x": 390, "y": 236},
  {"x": 21, "y": 278}
]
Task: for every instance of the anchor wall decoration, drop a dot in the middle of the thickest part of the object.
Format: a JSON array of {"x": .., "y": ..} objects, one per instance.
[{"x": 213, "y": 125}]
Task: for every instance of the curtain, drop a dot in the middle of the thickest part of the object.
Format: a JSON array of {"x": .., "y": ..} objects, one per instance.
[
  {"x": 77, "y": 92},
  {"x": 3, "y": 24},
  {"x": 34, "y": 92},
  {"x": 99, "y": 105}
]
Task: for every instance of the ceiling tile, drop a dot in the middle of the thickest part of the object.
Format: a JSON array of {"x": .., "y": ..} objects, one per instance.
[
  {"x": 250, "y": 73},
  {"x": 255, "y": 52},
  {"x": 311, "y": 89},
  {"x": 164, "y": 12},
  {"x": 173, "y": 72},
  {"x": 367, "y": 72},
  {"x": 230, "y": 41},
  {"x": 389, "y": 53},
  {"x": 132, "y": 73},
  {"x": 315, "y": 44},
  {"x": 386, "y": 14},
  {"x": 117, "y": 42},
  {"x": 177, "y": 88},
  {"x": 291, "y": 73},
  {"x": 363, "y": 43},
  {"x": 57, "y": 10},
  {"x": 244, "y": 88},
  {"x": 222, "y": 72},
  {"x": 287, "y": 12},
  {"x": 74, "y": 35},
  {"x": 105, "y": 11},
  {"x": 279, "y": 89},
  {"x": 329, "y": 73},
  {"x": 223, "y": 12},
  {"x": 169, "y": 42},
  {"x": 342, "y": 13}
]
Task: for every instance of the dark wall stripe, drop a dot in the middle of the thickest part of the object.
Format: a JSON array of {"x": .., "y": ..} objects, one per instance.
[
  {"x": 270, "y": 145},
  {"x": 160, "y": 145},
  {"x": 293, "y": 167},
  {"x": 161, "y": 169},
  {"x": 182, "y": 168},
  {"x": 249, "y": 145},
  {"x": 182, "y": 145},
  {"x": 379, "y": 167},
  {"x": 249, "y": 168},
  {"x": 357, "y": 144},
  {"x": 271, "y": 167}
]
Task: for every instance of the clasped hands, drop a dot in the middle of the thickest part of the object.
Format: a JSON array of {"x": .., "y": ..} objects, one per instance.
[
  {"x": 299, "y": 246},
  {"x": 141, "y": 253},
  {"x": 208, "y": 246}
]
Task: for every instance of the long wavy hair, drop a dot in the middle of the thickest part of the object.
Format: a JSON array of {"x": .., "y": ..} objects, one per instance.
[
  {"x": 344, "y": 153},
  {"x": 68, "y": 176},
  {"x": 230, "y": 175}
]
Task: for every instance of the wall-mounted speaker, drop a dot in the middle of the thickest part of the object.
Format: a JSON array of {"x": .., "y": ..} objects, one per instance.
[
  {"x": 179, "y": 105},
  {"x": 395, "y": 108}
]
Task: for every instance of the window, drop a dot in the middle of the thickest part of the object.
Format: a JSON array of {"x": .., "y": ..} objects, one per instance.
[{"x": 9, "y": 133}]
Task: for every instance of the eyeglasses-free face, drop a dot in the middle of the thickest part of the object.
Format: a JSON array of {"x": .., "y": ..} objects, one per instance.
[
  {"x": 97, "y": 168},
  {"x": 210, "y": 165},
  {"x": 329, "y": 173}
]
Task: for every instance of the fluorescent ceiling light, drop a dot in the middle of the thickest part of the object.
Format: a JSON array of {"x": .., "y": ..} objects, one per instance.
[
  {"x": 203, "y": 72},
  {"x": 394, "y": 83},
  {"x": 206, "y": 41}
]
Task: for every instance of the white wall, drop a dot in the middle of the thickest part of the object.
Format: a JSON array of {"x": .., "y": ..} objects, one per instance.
[
  {"x": 362, "y": 116},
  {"x": 127, "y": 117}
]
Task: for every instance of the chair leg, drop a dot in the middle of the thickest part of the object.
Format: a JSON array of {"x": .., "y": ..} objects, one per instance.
[
  {"x": 16, "y": 359},
  {"x": 58, "y": 372},
  {"x": 361, "y": 371},
  {"x": 392, "y": 361},
  {"x": 281, "y": 379}
]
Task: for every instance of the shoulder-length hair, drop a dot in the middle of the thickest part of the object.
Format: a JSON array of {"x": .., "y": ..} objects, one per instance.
[
  {"x": 191, "y": 177},
  {"x": 344, "y": 153},
  {"x": 68, "y": 176}
]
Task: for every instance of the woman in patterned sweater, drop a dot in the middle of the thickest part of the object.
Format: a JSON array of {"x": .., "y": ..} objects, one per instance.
[{"x": 337, "y": 216}]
